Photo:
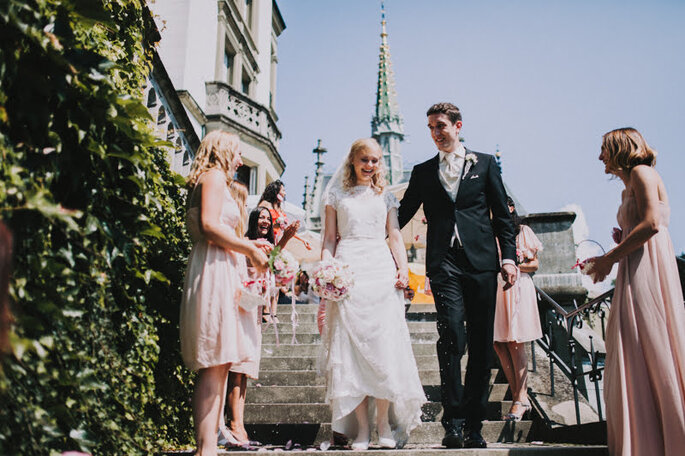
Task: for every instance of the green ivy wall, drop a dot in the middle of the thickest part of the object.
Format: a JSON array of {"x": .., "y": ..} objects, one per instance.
[{"x": 100, "y": 247}]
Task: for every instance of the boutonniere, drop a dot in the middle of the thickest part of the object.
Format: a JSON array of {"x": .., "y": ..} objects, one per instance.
[{"x": 471, "y": 160}]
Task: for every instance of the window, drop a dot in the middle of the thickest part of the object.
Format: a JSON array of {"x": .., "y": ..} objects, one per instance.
[
  {"x": 170, "y": 132},
  {"x": 151, "y": 98},
  {"x": 248, "y": 176},
  {"x": 245, "y": 87},
  {"x": 161, "y": 116},
  {"x": 243, "y": 175},
  {"x": 229, "y": 57},
  {"x": 249, "y": 12}
]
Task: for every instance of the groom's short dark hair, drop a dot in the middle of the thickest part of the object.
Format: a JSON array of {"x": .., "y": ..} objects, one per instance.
[{"x": 445, "y": 108}]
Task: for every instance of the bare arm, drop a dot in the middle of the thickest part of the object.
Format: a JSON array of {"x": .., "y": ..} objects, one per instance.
[
  {"x": 288, "y": 233},
  {"x": 529, "y": 265},
  {"x": 411, "y": 201},
  {"x": 644, "y": 182},
  {"x": 330, "y": 236},
  {"x": 213, "y": 187},
  {"x": 399, "y": 253}
]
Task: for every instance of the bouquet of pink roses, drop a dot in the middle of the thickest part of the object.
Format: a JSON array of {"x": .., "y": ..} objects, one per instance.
[
  {"x": 283, "y": 265},
  {"x": 332, "y": 280}
]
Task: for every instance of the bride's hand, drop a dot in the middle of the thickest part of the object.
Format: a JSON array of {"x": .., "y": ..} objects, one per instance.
[{"x": 402, "y": 279}]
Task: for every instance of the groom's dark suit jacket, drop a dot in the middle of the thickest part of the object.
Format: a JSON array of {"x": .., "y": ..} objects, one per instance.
[{"x": 481, "y": 193}]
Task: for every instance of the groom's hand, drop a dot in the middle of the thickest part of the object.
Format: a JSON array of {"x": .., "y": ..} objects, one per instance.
[{"x": 509, "y": 275}]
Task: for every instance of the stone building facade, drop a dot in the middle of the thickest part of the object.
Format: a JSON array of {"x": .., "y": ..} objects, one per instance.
[{"x": 221, "y": 57}]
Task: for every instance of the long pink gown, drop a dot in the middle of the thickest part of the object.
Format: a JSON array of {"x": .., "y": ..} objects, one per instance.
[
  {"x": 644, "y": 386},
  {"x": 210, "y": 320},
  {"x": 516, "y": 312}
]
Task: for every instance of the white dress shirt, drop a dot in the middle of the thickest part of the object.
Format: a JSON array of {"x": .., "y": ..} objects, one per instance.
[{"x": 449, "y": 171}]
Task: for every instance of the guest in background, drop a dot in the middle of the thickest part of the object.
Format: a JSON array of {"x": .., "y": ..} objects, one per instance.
[
  {"x": 272, "y": 199},
  {"x": 516, "y": 317},
  {"x": 303, "y": 293},
  {"x": 644, "y": 383},
  {"x": 209, "y": 323},
  {"x": 260, "y": 226}
]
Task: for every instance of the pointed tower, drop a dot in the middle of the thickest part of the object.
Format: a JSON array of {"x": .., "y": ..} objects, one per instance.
[{"x": 387, "y": 125}]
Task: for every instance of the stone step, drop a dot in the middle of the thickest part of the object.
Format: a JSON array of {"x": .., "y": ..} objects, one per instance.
[
  {"x": 269, "y": 363},
  {"x": 304, "y": 309},
  {"x": 303, "y": 378},
  {"x": 321, "y": 413},
  {"x": 269, "y": 337},
  {"x": 312, "y": 349},
  {"x": 268, "y": 394},
  {"x": 310, "y": 327},
  {"x": 301, "y": 309},
  {"x": 285, "y": 394},
  {"x": 427, "y": 433},
  {"x": 308, "y": 394},
  {"x": 312, "y": 378}
]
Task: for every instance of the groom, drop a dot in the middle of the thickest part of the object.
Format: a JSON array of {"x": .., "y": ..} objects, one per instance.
[{"x": 465, "y": 205}]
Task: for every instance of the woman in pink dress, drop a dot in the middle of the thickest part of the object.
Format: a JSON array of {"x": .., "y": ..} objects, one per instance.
[
  {"x": 644, "y": 383},
  {"x": 210, "y": 336},
  {"x": 516, "y": 318}
]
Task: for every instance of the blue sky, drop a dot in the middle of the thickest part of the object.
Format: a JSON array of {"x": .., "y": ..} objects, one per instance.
[{"x": 541, "y": 79}]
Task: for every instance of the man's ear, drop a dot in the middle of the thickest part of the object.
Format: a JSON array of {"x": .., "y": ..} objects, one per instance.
[{"x": 458, "y": 124}]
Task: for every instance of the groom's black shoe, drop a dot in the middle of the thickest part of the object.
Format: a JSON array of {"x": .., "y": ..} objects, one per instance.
[
  {"x": 453, "y": 438},
  {"x": 474, "y": 440}
]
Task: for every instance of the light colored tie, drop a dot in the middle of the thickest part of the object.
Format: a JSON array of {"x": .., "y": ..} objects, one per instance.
[{"x": 452, "y": 168}]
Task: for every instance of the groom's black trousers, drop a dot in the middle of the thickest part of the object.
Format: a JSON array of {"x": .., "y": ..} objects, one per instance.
[{"x": 464, "y": 295}]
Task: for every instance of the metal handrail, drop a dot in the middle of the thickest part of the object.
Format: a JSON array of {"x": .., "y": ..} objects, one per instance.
[
  {"x": 599, "y": 299},
  {"x": 571, "y": 319}
]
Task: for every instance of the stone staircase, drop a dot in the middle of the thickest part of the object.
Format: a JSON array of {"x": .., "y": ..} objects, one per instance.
[{"x": 287, "y": 402}]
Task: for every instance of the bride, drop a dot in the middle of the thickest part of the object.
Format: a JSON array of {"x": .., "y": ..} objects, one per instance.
[{"x": 368, "y": 359}]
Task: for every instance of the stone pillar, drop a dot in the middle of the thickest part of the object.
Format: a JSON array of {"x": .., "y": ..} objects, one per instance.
[{"x": 555, "y": 276}]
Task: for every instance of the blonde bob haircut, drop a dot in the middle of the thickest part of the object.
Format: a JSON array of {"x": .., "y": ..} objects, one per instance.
[
  {"x": 625, "y": 148},
  {"x": 216, "y": 150},
  {"x": 350, "y": 177}
]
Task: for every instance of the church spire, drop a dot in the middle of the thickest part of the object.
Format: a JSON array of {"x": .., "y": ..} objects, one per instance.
[{"x": 387, "y": 124}]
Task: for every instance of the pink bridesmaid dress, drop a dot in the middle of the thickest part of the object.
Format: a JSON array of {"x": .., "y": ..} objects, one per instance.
[
  {"x": 644, "y": 386},
  {"x": 210, "y": 318},
  {"x": 249, "y": 336},
  {"x": 516, "y": 312}
]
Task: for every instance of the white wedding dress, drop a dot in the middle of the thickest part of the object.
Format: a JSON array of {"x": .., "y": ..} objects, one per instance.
[{"x": 367, "y": 350}]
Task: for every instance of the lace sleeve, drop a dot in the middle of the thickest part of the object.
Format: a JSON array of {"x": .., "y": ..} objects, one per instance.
[
  {"x": 330, "y": 198},
  {"x": 390, "y": 201}
]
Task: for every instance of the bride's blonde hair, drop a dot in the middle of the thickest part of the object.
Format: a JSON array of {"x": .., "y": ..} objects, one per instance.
[
  {"x": 216, "y": 150},
  {"x": 350, "y": 177}
]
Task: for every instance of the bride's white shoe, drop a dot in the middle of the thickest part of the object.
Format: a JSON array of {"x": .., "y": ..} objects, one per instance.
[
  {"x": 385, "y": 439},
  {"x": 361, "y": 445},
  {"x": 385, "y": 442}
]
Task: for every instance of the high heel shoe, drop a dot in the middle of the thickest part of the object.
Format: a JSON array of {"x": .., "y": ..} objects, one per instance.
[
  {"x": 516, "y": 417},
  {"x": 245, "y": 443},
  {"x": 225, "y": 438}
]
